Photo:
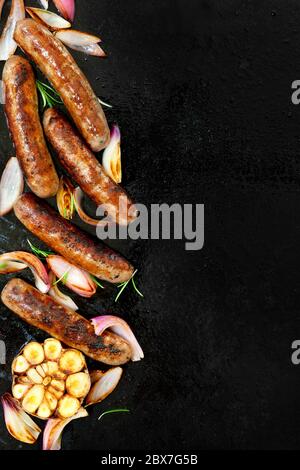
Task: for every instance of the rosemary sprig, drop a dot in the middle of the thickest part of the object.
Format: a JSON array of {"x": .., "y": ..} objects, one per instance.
[
  {"x": 124, "y": 284},
  {"x": 63, "y": 278},
  {"x": 49, "y": 96},
  {"x": 38, "y": 252},
  {"x": 95, "y": 280},
  {"x": 116, "y": 410}
]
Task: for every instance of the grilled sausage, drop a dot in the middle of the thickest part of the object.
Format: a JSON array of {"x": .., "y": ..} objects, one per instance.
[
  {"x": 21, "y": 108},
  {"x": 57, "y": 64},
  {"x": 69, "y": 241},
  {"x": 43, "y": 312},
  {"x": 84, "y": 168}
]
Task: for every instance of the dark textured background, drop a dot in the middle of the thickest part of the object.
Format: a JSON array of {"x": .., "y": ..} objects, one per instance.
[{"x": 201, "y": 91}]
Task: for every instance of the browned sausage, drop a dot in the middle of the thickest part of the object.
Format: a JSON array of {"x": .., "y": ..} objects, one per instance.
[
  {"x": 69, "y": 241},
  {"x": 21, "y": 108},
  {"x": 84, "y": 168},
  {"x": 57, "y": 64},
  {"x": 43, "y": 312}
]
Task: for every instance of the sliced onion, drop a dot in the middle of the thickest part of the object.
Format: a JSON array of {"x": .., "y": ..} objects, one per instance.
[
  {"x": 66, "y": 8},
  {"x": 111, "y": 159},
  {"x": 96, "y": 375},
  {"x": 53, "y": 431},
  {"x": 59, "y": 296},
  {"x": 44, "y": 4},
  {"x": 29, "y": 261},
  {"x": 8, "y": 267},
  {"x": 7, "y": 43},
  {"x": 74, "y": 278},
  {"x": 48, "y": 18},
  {"x": 78, "y": 38},
  {"x": 18, "y": 423},
  {"x": 121, "y": 328},
  {"x": 104, "y": 386},
  {"x": 78, "y": 196},
  {"x": 1, "y": 6},
  {"x": 82, "y": 42},
  {"x": 11, "y": 185},
  {"x": 64, "y": 198},
  {"x": 91, "y": 49}
]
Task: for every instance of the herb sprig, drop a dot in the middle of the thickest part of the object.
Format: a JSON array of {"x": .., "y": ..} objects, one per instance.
[
  {"x": 37, "y": 251},
  {"x": 63, "y": 279},
  {"x": 49, "y": 96},
  {"x": 123, "y": 286},
  {"x": 115, "y": 410},
  {"x": 95, "y": 280}
]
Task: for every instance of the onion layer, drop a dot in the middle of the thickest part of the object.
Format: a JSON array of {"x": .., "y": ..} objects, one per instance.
[
  {"x": 111, "y": 159},
  {"x": 27, "y": 260},
  {"x": 82, "y": 42},
  {"x": 18, "y": 423},
  {"x": 64, "y": 198},
  {"x": 121, "y": 328},
  {"x": 66, "y": 8},
  {"x": 74, "y": 278},
  {"x": 11, "y": 185},
  {"x": 59, "y": 296},
  {"x": 8, "y": 45},
  {"x": 78, "y": 196},
  {"x": 48, "y": 18},
  {"x": 104, "y": 386},
  {"x": 53, "y": 431}
]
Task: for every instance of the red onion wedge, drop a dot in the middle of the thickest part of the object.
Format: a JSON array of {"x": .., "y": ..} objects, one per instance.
[
  {"x": 1, "y": 6},
  {"x": 53, "y": 431},
  {"x": 104, "y": 386},
  {"x": 59, "y": 296},
  {"x": 121, "y": 328},
  {"x": 66, "y": 8},
  {"x": 29, "y": 261},
  {"x": 76, "y": 279},
  {"x": 18, "y": 423},
  {"x": 11, "y": 185},
  {"x": 82, "y": 42},
  {"x": 72, "y": 36},
  {"x": 7, "y": 42},
  {"x": 78, "y": 196},
  {"x": 65, "y": 198},
  {"x": 111, "y": 159},
  {"x": 51, "y": 20}
]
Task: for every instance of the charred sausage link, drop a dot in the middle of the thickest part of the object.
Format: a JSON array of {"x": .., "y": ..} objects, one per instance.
[
  {"x": 43, "y": 312},
  {"x": 69, "y": 241},
  {"x": 84, "y": 168},
  {"x": 57, "y": 64},
  {"x": 21, "y": 108}
]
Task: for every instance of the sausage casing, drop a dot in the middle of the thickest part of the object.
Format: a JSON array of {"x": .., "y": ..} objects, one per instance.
[
  {"x": 84, "y": 168},
  {"x": 57, "y": 64},
  {"x": 43, "y": 312},
  {"x": 69, "y": 241},
  {"x": 21, "y": 109}
]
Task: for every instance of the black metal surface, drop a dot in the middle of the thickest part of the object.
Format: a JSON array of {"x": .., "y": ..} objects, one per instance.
[{"x": 201, "y": 90}]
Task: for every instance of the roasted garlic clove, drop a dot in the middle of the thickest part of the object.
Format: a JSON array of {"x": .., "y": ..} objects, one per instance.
[{"x": 34, "y": 353}]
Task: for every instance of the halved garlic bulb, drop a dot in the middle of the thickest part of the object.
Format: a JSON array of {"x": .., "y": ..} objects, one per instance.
[{"x": 49, "y": 380}]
